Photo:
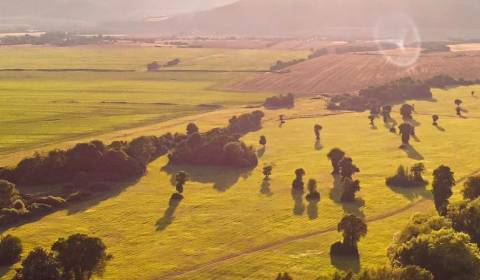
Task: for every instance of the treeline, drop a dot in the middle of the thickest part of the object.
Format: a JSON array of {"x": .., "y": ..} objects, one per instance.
[
  {"x": 219, "y": 146},
  {"x": 445, "y": 81},
  {"x": 279, "y": 65},
  {"x": 364, "y": 48},
  {"x": 155, "y": 66},
  {"x": 56, "y": 38},
  {"x": 280, "y": 101},
  {"x": 393, "y": 92}
]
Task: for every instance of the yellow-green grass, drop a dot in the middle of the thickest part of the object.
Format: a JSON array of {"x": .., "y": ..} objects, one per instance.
[
  {"x": 41, "y": 108},
  {"x": 226, "y": 228},
  {"x": 136, "y": 58}
]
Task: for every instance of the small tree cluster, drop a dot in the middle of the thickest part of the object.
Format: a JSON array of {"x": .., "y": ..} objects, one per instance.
[
  {"x": 343, "y": 166},
  {"x": 280, "y": 101},
  {"x": 408, "y": 178}
]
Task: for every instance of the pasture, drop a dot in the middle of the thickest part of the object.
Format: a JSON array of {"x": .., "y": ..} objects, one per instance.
[
  {"x": 48, "y": 107},
  {"x": 233, "y": 225}
]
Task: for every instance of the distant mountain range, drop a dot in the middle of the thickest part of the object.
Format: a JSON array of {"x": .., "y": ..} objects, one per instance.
[
  {"x": 343, "y": 18},
  {"x": 323, "y": 17}
]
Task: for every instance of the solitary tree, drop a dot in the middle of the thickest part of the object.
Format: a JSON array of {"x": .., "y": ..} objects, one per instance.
[
  {"x": 153, "y": 67},
  {"x": 39, "y": 265},
  {"x": 406, "y": 131},
  {"x": 471, "y": 190},
  {"x": 298, "y": 184},
  {"x": 406, "y": 111},
  {"x": 435, "y": 119},
  {"x": 192, "y": 128},
  {"x": 372, "y": 120},
  {"x": 347, "y": 168},
  {"x": 180, "y": 180},
  {"x": 263, "y": 141},
  {"x": 443, "y": 182},
  {"x": 81, "y": 257},
  {"x": 353, "y": 229},
  {"x": 267, "y": 171},
  {"x": 335, "y": 156},
  {"x": 317, "y": 128},
  {"x": 459, "y": 103}
]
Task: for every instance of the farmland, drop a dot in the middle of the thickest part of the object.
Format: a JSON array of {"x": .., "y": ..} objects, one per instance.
[
  {"x": 352, "y": 72},
  {"x": 47, "y": 107},
  {"x": 232, "y": 226}
]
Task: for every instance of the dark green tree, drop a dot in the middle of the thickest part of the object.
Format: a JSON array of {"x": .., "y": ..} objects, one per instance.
[
  {"x": 372, "y": 120},
  {"x": 465, "y": 217},
  {"x": 386, "y": 111},
  {"x": 353, "y": 229},
  {"x": 435, "y": 119},
  {"x": 406, "y": 131},
  {"x": 347, "y": 168},
  {"x": 81, "y": 257},
  {"x": 336, "y": 155},
  {"x": 472, "y": 188},
  {"x": 263, "y": 141},
  {"x": 267, "y": 171},
  {"x": 406, "y": 111},
  {"x": 443, "y": 182},
  {"x": 283, "y": 276},
  {"x": 350, "y": 189},
  {"x": 10, "y": 250},
  {"x": 317, "y": 128},
  {"x": 298, "y": 184},
  {"x": 180, "y": 180},
  {"x": 192, "y": 128},
  {"x": 39, "y": 265},
  {"x": 313, "y": 194}
]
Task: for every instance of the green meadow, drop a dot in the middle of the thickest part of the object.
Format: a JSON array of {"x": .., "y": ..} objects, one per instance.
[{"x": 232, "y": 224}]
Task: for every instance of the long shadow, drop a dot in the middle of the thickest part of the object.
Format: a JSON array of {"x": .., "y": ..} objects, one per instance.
[
  {"x": 168, "y": 216},
  {"x": 298, "y": 205},
  {"x": 318, "y": 145},
  {"x": 345, "y": 262},
  {"x": 312, "y": 209},
  {"x": 222, "y": 178},
  {"x": 440, "y": 128},
  {"x": 337, "y": 190},
  {"x": 265, "y": 188},
  {"x": 414, "y": 122},
  {"x": 355, "y": 208},
  {"x": 4, "y": 270},
  {"x": 413, "y": 193},
  {"x": 98, "y": 197},
  {"x": 261, "y": 151},
  {"x": 412, "y": 153}
]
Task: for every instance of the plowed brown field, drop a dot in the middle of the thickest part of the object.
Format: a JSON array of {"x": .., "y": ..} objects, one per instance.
[{"x": 332, "y": 74}]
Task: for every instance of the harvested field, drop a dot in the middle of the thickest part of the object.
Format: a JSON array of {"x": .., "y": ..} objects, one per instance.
[{"x": 351, "y": 72}]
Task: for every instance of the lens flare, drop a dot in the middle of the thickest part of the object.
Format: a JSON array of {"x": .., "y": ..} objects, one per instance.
[{"x": 400, "y": 30}]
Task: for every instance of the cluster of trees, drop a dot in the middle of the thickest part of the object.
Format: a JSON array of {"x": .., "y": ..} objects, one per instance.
[
  {"x": 155, "y": 66},
  {"x": 343, "y": 166},
  {"x": 445, "y": 81},
  {"x": 364, "y": 48},
  {"x": 279, "y": 65},
  {"x": 219, "y": 146},
  {"x": 79, "y": 257},
  {"x": 393, "y": 92},
  {"x": 280, "y": 101},
  {"x": 408, "y": 178},
  {"x": 89, "y": 162},
  {"x": 56, "y": 38}
]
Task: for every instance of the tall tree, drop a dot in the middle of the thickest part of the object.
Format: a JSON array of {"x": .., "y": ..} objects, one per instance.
[
  {"x": 406, "y": 111},
  {"x": 263, "y": 141},
  {"x": 406, "y": 131},
  {"x": 435, "y": 119},
  {"x": 81, "y": 257},
  {"x": 335, "y": 156},
  {"x": 443, "y": 182},
  {"x": 267, "y": 171},
  {"x": 353, "y": 229}
]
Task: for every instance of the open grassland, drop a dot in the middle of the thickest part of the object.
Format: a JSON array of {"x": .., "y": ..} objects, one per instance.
[
  {"x": 136, "y": 58},
  {"x": 37, "y": 108},
  {"x": 44, "y": 108},
  {"x": 231, "y": 225}
]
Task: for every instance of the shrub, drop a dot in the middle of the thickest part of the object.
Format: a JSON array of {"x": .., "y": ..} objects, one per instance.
[
  {"x": 405, "y": 178},
  {"x": 10, "y": 250},
  {"x": 280, "y": 101},
  {"x": 8, "y": 194}
]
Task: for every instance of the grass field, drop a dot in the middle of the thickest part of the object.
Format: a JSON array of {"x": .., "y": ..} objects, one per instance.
[{"x": 232, "y": 226}]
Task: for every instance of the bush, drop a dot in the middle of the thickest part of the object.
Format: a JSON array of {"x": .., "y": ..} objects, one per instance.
[
  {"x": 280, "y": 101},
  {"x": 8, "y": 194},
  {"x": 10, "y": 250},
  {"x": 407, "y": 178}
]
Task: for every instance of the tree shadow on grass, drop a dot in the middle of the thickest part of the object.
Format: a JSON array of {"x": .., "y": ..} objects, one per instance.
[
  {"x": 412, "y": 152},
  {"x": 344, "y": 262},
  {"x": 222, "y": 178},
  {"x": 355, "y": 208},
  {"x": 168, "y": 216},
  {"x": 261, "y": 151},
  {"x": 318, "y": 145},
  {"x": 312, "y": 209},
  {"x": 440, "y": 128},
  {"x": 413, "y": 193},
  {"x": 337, "y": 190},
  {"x": 97, "y": 197},
  {"x": 298, "y": 205},
  {"x": 265, "y": 188}
]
